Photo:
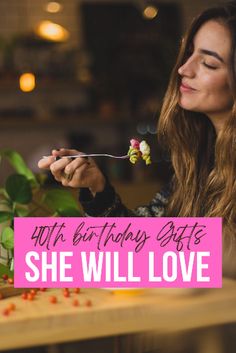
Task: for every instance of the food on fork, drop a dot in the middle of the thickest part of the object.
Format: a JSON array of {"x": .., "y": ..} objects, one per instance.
[{"x": 139, "y": 150}]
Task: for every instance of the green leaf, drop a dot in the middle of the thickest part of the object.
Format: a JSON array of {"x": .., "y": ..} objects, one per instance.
[
  {"x": 5, "y": 216},
  {"x": 7, "y": 238},
  {"x": 69, "y": 212},
  {"x": 6, "y": 204},
  {"x": 18, "y": 164},
  {"x": 21, "y": 210},
  {"x": 12, "y": 265},
  {"x": 4, "y": 270},
  {"x": 3, "y": 192},
  {"x": 19, "y": 189},
  {"x": 60, "y": 199},
  {"x": 41, "y": 178}
]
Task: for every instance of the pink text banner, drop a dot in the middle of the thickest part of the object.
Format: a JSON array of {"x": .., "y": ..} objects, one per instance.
[{"x": 117, "y": 252}]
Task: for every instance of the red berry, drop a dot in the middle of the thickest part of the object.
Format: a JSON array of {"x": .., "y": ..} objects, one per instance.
[
  {"x": 88, "y": 302},
  {"x": 24, "y": 295},
  {"x": 33, "y": 291},
  {"x": 5, "y": 277},
  {"x": 5, "y": 312},
  {"x": 75, "y": 302},
  {"x": 42, "y": 289},
  {"x": 53, "y": 299},
  {"x": 66, "y": 294},
  {"x": 76, "y": 290},
  {"x": 10, "y": 281},
  {"x": 11, "y": 307},
  {"x": 30, "y": 296}
]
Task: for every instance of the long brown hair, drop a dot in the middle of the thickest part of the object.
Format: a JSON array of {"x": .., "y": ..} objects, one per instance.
[{"x": 204, "y": 181}]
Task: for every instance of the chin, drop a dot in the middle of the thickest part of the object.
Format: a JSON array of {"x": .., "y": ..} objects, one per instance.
[{"x": 187, "y": 106}]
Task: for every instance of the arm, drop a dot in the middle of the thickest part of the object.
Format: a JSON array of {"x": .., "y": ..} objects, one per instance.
[{"x": 97, "y": 196}]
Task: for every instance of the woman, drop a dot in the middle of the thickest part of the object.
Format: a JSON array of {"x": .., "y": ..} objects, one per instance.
[{"x": 197, "y": 124}]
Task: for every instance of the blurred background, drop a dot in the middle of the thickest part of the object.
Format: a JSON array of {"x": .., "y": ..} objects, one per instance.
[{"x": 89, "y": 74}]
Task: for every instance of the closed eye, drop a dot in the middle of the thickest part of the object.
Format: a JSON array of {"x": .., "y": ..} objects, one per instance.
[{"x": 209, "y": 66}]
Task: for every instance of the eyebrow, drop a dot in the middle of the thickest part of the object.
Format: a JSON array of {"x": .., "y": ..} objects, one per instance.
[{"x": 211, "y": 53}]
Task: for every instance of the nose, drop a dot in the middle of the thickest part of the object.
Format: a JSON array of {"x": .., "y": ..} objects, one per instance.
[{"x": 188, "y": 69}]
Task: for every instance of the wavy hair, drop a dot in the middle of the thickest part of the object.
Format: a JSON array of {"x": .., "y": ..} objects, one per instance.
[{"x": 204, "y": 181}]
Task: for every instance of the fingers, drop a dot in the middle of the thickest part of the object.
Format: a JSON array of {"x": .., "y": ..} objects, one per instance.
[
  {"x": 87, "y": 175},
  {"x": 75, "y": 164},
  {"x": 57, "y": 168},
  {"x": 64, "y": 152},
  {"x": 45, "y": 163},
  {"x": 65, "y": 170},
  {"x": 76, "y": 178},
  {"x": 74, "y": 173}
]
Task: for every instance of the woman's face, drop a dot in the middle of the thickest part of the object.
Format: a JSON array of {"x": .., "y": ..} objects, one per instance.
[{"x": 205, "y": 75}]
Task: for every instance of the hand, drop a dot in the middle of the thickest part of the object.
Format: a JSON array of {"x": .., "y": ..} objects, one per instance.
[{"x": 79, "y": 172}]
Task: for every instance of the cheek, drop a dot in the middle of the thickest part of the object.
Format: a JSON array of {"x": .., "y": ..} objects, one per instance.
[{"x": 217, "y": 90}]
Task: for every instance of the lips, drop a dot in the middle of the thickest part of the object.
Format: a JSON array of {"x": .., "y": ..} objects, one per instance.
[
  {"x": 185, "y": 88},
  {"x": 185, "y": 85}
]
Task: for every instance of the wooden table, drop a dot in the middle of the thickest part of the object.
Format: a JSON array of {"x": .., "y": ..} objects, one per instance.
[{"x": 39, "y": 322}]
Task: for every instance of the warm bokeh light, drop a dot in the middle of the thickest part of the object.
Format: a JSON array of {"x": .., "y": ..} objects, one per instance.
[
  {"x": 150, "y": 12},
  {"x": 85, "y": 76},
  {"x": 27, "y": 82},
  {"x": 52, "y": 31},
  {"x": 53, "y": 7}
]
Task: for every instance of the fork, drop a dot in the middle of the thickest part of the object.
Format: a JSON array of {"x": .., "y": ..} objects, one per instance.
[{"x": 86, "y": 155}]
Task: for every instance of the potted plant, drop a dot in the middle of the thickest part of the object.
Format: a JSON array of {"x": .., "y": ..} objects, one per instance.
[{"x": 24, "y": 195}]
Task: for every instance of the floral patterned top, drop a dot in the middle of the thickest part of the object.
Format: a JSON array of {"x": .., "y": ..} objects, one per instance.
[{"x": 108, "y": 204}]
